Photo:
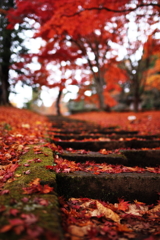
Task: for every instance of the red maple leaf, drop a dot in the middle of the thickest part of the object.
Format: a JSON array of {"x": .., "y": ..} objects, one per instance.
[
  {"x": 35, "y": 186},
  {"x": 123, "y": 205}
]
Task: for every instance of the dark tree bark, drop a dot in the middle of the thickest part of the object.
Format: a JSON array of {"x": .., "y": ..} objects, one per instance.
[
  {"x": 58, "y": 103},
  {"x": 99, "y": 88},
  {"x": 5, "y": 54}
]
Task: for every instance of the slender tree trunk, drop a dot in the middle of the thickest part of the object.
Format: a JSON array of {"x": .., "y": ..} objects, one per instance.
[
  {"x": 136, "y": 103},
  {"x": 58, "y": 103},
  {"x": 136, "y": 95},
  {"x": 99, "y": 88},
  {"x": 5, "y": 86},
  {"x": 5, "y": 55}
]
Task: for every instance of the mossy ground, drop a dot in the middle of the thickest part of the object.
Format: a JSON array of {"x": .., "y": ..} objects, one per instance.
[{"x": 48, "y": 215}]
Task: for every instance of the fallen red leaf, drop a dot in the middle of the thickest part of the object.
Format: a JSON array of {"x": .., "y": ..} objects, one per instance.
[
  {"x": 5, "y": 228},
  {"x": 36, "y": 187},
  {"x": 123, "y": 205},
  {"x": 14, "y": 211}
]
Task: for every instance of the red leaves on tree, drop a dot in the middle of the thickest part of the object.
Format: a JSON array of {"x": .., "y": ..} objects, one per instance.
[{"x": 75, "y": 30}]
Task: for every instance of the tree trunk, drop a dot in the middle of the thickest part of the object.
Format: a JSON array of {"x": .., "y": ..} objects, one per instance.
[
  {"x": 58, "y": 103},
  {"x": 99, "y": 88},
  {"x": 4, "y": 88},
  {"x": 136, "y": 103},
  {"x": 5, "y": 55},
  {"x": 136, "y": 94}
]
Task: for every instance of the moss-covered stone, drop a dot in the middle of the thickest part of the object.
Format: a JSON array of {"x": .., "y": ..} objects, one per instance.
[
  {"x": 31, "y": 155},
  {"x": 49, "y": 214},
  {"x": 36, "y": 170}
]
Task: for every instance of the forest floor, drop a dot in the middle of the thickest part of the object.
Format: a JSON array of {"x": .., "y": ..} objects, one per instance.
[
  {"x": 43, "y": 176},
  {"x": 147, "y": 122}
]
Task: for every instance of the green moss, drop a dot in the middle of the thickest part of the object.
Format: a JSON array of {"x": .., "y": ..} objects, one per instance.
[
  {"x": 41, "y": 172},
  {"x": 46, "y": 160},
  {"x": 48, "y": 216},
  {"x": 36, "y": 169}
]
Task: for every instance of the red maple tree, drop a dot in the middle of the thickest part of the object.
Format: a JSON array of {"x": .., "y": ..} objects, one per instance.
[{"x": 81, "y": 30}]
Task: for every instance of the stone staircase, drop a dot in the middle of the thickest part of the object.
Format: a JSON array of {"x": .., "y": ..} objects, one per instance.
[
  {"x": 81, "y": 141},
  {"x": 133, "y": 174}
]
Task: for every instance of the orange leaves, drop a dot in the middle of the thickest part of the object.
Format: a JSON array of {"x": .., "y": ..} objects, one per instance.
[
  {"x": 123, "y": 205},
  {"x": 5, "y": 228},
  {"x": 107, "y": 212},
  {"x": 156, "y": 209},
  {"x": 69, "y": 31},
  {"x": 109, "y": 100},
  {"x": 114, "y": 74},
  {"x": 36, "y": 187},
  {"x": 66, "y": 166},
  {"x": 151, "y": 46},
  {"x": 152, "y": 53},
  {"x": 18, "y": 128},
  {"x": 153, "y": 78},
  {"x": 74, "y": 30},
  {"x": 114, "y": 77},
  {"x": 153, "y": 81},
  {"x": 144, "y": 120},
  {"x": 93, "y": 219}
]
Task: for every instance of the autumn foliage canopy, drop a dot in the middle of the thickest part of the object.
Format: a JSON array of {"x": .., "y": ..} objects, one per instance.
[{"x": 89, "y": 37}]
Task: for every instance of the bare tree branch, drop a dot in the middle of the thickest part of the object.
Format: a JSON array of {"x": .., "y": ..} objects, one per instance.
[{"x": 114, "y": 10}]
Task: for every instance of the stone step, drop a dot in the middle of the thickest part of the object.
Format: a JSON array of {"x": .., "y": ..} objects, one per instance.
[
  {"x": 93, "y": 131},
  {"x": 109, "y": 145},
  {"x": 141, "y": 158},
  {"x": 62, "y": 122},
  {"x": 109, "y": 187},
  {"x": 97, "y": 135}
]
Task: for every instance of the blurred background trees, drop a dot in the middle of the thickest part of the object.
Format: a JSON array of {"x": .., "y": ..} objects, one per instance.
[
  {"x": 5, "y": 51},
  {"x": 108, "y": 49},
  {"x": 11, "y": 49}
]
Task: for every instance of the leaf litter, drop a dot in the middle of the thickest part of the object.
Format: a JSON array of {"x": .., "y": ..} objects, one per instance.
[{"x": 85, "y": 218}]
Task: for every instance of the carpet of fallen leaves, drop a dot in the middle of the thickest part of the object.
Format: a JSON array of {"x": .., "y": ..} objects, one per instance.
[
  {"x": 66, "y": 166},
  {"x": 18, "y": 129},
  {"x": 92, "y": 219},
  {"x": 144, "y": 122},
  {"x": 82, "y": 218}
]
